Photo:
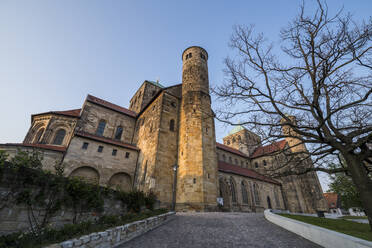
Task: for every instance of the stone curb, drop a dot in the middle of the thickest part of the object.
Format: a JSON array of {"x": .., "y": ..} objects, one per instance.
[
  {"x": 115, "y": 236},
  {"x": 321, "y": 236}
]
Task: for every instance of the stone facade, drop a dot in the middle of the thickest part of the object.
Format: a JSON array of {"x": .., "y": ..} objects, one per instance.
[{"x": 166, "y": 143}]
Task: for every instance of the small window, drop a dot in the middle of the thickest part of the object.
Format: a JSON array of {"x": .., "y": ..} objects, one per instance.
[
  {"x": 119, "y": 132},
  {"x": 223, "y": 157},
  {"x": 230, "y": 160},
  {"x": 241, "y": 163},
  {"x": 171, "y": 125},
  {"x": 101, "y": 127},
  {"x": 256, "y": 164},
  {"x": 85, "y": 146},
  {"x": 236, "y": 162},
  {"x": 173, "y": 104},
  {"x": 202, "y": 56},
  {"x": 114, "y": 152},
  {"x": 194, "y": 180},
  {"x": 264, "y": 163},
  {"x": 153, "y": 92},
  {"x": 100, "y": 149},
  {"x": 127, "y": 155},
  {"x": 190, "y": 55}
]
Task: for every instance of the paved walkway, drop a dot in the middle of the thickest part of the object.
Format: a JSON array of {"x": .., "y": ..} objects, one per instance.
[{"x": 206, "y": 230}]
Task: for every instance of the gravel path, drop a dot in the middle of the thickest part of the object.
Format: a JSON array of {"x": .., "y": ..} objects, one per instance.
[{"x": 219, "y": 230}]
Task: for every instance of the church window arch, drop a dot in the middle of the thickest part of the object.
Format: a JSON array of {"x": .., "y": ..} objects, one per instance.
[
  {"x": 244, "y": 192},
  {"x": 39, "y": 135},
  {"x": 119, "y": 132},
  {"x": 276, "y": 197},
  {"x": 233, "y": 191},
  {"x": 256, "y": 195},
  {"x": 60, "y": 136},
  {"x": 171, "y": 125},
  {"x": 101, "y": 127}
]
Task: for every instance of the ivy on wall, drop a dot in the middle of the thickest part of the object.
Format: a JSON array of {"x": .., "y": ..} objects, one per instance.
[{"x": 43, "y": 191}]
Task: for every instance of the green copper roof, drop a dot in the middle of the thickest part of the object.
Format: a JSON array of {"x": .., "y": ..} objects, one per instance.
[
  {"x": 155, "y": 83},
  {"x": 236, "y": 129}
]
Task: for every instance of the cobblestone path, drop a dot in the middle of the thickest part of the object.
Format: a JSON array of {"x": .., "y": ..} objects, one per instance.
[{"x": 206, "y": 230}]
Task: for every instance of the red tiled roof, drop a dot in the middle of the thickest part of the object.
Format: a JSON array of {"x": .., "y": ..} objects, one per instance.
[
  {"x": 230, "y": 149},
  {"x": 111, "y": 106},
  {"x": 41, "y": 146},
  {"x": 264, "y": 150},
  {"x": 229, "y": 168},
  {"x": 71, "y": 113},
  {"x": 331, "y": 199},
  {"x": 106, "y": 140}
]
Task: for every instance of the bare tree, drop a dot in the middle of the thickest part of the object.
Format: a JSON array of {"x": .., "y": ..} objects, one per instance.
[{"x": 318, "y": 83}]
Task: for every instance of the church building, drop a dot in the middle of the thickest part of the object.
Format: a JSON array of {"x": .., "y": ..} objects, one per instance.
[{"x": 165, "y": 143}]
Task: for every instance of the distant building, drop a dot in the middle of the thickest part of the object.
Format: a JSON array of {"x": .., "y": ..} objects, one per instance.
[
  {"x": 138, "y": 148},
  {"x": 334, "y": 203}
]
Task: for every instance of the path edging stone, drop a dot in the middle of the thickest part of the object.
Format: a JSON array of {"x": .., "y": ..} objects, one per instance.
[
  {"x": 115, "y": 236},
  {"x": 321, "y": 236}
]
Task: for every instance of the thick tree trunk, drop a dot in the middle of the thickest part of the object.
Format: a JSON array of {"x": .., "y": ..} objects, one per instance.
[{"x": 362, "y": 182}]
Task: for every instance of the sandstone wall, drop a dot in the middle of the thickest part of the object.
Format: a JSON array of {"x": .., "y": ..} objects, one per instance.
[
  {"x": 233, "y": 158},
  {"x": 264, "y": 189},
  {"x": 143, "y": 96},
  {"x": 104, "y": 166},
  {"x": 50, "y": 157},
  {"x": 93, "y": 113}
]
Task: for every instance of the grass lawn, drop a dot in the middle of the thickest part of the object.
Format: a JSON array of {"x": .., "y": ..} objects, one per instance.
[
  {"x": 358, "y": 230},
  {"x": 353, "y": 217}
]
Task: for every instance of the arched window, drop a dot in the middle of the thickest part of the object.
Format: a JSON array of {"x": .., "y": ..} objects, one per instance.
[
  {"x": 119, "y": 132},
  {"x": 101, "y": 127},
  {"x": 223, "y": 158},
  {"x": 236, "y": 162},
  {"x": 171, "y": 125},
  {"x": 38, "y": 136},
  {"x": 256, "y": 164},
  {"x": 256, "y": 195},
  {"x": 233, "y": 195},
  {"x": 60, "y": 135},
  {"x": 264, "y": 163},
  {"x": 276, "y": 196},
  {"x": 230, "y": 160},
  {"x": 244, "y": 193}
]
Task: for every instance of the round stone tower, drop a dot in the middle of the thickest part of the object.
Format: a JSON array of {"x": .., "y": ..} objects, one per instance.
[{"x": 197, "y": 159}]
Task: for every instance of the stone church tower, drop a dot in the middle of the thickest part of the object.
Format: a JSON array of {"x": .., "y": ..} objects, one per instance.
[{"x": 197, "y": 172}]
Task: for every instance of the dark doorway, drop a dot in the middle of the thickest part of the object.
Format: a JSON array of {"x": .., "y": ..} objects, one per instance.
[{"x": 269, "y": 202}]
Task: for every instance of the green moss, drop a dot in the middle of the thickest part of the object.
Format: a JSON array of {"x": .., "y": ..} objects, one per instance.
[{"x": 357, "y": 230}]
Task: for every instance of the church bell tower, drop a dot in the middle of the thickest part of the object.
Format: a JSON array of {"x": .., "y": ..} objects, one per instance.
[{"x": 197, "y": 159}]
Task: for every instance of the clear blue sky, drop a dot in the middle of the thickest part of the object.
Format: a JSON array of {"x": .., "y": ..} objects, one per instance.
[{"x": 53, "y": 53}]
